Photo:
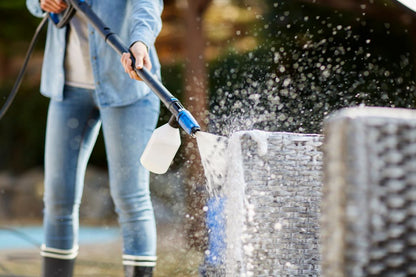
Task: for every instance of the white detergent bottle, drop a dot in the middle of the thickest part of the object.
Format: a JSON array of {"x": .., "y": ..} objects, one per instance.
[{"x": 161, "y": 148}]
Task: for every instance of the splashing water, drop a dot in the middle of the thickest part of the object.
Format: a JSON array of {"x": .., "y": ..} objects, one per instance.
[
  {"x": 223, "y": 166},
  {"x": 221, "y": 158},
  {"x": 212, "y": 149},
  {"x": 310, "y": 61}
]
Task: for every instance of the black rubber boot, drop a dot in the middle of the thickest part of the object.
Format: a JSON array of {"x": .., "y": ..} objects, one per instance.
[
  {"x": 138, "y": 271},
  {"x": 57, "y": 267}
]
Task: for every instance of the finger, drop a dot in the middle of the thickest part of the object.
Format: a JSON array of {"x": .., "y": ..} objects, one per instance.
[
  {"x": 127, "y": 65},
  {"x": 147, "y": 63},
  {"x": 126, "y": 61},
  {"x": 53, "y": 6},
  {"x": 129, "y": 62},
  {"x": 61, "y": 4},
  {"x": 139, "y": 52},
  {"x": 49, "y": 5},
  {"x": 139, "y": 61},
  {"x": 134, "y": 76},
  {"x": 60, "y": 10}
]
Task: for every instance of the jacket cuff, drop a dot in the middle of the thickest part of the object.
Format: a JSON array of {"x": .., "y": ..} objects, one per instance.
[
  {"x": 34, "y": 8},
  {"x": 145, "y": 37},
  {"x": 147, "y": 46}
]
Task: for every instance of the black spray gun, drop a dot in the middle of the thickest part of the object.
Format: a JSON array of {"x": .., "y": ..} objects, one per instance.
[{"x": 165, "y": 140}]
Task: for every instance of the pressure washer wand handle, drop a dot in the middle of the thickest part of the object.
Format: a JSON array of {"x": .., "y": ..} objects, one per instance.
[{"x": 184, "y": 117}]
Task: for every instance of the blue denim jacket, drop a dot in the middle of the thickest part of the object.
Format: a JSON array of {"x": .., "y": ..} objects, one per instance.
[{"x": 132, "y": 20}]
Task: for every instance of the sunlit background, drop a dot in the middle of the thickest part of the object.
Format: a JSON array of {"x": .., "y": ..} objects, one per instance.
[{"x": 236, "y": 65}]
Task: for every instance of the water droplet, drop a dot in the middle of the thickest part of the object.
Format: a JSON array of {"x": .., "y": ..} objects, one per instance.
[{"x": 73, "y": 123}]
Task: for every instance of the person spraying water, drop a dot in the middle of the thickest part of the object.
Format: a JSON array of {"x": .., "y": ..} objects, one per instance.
[
  {"x": 80, "y": 105},
  {"x": 89, "y": 90}
]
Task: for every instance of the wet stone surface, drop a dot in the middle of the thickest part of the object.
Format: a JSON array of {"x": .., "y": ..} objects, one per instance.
[{"x": 273, "y": 194}]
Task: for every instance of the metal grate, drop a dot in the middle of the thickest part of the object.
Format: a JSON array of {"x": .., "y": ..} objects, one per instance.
[
  {"x": 369, "y": 201},
  {"x": 273, "y": 192}
]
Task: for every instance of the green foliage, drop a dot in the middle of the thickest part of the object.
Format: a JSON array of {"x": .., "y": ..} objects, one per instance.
[
  {"x": 22, "y": 131},
  {"x": 12, "y": 5},
  {"x": 172, "y": 78},
  {"x": 310, "y": 62},
  {"x": 22, "y": 127},
  {"x": 17, "y": 23}
]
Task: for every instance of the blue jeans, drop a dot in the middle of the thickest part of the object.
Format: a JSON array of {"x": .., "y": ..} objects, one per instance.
[{"x": 72, "y": 129}]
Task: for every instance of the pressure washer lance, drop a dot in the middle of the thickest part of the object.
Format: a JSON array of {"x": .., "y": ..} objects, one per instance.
[
  {"x": 183, "y": 117},
  {"x": 165, "y": 140}
]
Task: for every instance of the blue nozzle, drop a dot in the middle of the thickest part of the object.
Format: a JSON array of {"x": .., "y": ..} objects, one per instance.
[
  {"x": 188, "y": 122},
  {"x": 54, "y": 17}
]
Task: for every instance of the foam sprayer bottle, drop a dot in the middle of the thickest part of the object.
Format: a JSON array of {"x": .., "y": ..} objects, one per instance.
[{"x": 162, "y": 147}]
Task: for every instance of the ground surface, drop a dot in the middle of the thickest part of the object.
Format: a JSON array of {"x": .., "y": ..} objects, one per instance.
[{"x": 104, "y": 260}]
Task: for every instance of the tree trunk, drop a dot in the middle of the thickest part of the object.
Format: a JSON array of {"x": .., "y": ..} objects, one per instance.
[{"x": 196, "y": 101}]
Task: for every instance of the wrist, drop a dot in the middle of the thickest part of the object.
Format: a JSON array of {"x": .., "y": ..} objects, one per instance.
[{"x": 140, "y": 42}]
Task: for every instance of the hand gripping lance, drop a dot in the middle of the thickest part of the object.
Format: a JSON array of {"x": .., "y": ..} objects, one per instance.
[
  {"x": 165, "y": 140},
  {"x": 179, "y": 114},
  {"x": 182, "y": 116}
]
